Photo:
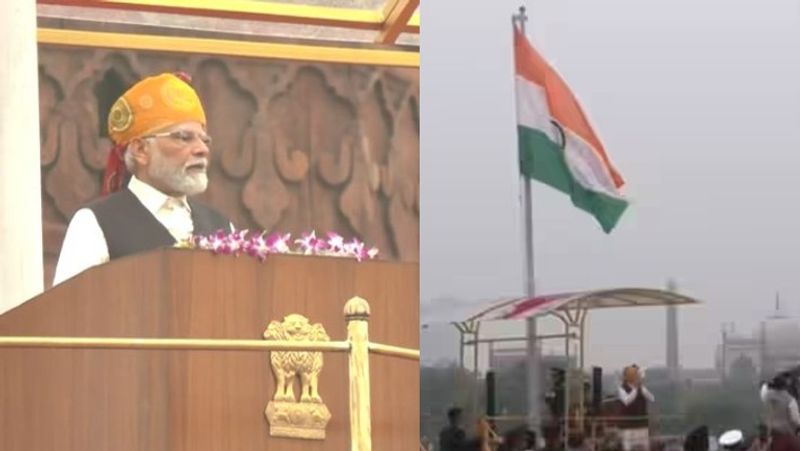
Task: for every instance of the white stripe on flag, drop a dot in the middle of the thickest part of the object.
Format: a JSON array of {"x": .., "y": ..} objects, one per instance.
[
  {"x": 532, "y": 110},
  {"x": 588, "y": 169}
]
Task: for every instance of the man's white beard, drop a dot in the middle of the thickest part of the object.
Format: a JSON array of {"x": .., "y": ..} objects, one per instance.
[{"x": 175, "y": 177}]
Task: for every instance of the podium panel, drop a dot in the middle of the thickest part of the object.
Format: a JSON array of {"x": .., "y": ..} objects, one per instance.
[{"x": 193, "y": 400}]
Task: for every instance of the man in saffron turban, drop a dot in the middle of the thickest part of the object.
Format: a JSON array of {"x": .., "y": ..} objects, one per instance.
[
  {"x": 160, "y": 157},
  {"x": 635, "y": 397}
]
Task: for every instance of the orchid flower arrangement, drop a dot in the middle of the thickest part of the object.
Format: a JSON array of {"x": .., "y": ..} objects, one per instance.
[{"x": 261, "y": 245}]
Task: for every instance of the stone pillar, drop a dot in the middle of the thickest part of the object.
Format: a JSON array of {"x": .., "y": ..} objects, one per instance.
[
  {"x": 673, "y": 364},
  {"x": 21, "y": 267}
]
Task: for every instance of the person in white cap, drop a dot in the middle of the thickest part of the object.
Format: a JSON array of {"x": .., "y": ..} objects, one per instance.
[{"x": 733, "y": 439}]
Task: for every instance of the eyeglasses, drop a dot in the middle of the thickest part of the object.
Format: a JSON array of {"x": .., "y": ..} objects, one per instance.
[{"x": 184, "y": 136}]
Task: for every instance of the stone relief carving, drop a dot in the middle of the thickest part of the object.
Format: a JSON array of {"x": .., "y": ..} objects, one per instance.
[{"x": 297, "y": 146}]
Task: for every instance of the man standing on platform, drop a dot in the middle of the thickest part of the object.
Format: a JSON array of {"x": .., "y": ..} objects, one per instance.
[
  {"x": 635, "y": 424},
  {"x": 160, "y": 156}
]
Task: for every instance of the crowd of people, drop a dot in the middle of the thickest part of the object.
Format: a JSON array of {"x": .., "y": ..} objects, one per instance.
[
  {"x": 778, "y": 432},
  {"x": 485, "y": 437},
  {"x": 453, "y": 437}
]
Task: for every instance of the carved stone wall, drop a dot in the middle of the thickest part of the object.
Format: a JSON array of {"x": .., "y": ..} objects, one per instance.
[{"x": 297, "y": 146}]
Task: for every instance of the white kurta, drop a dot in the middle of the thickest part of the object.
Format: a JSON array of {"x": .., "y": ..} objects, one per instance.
[{"x": 85, "y": 245}]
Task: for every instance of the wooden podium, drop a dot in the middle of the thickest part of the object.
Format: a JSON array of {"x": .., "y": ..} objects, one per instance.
[{"x": 165, "y": 351}]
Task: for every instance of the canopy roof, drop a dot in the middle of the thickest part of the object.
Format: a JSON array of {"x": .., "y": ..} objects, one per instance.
[
  {"x": 526, "y": 307},
  {"x": 381, "y": 32}
]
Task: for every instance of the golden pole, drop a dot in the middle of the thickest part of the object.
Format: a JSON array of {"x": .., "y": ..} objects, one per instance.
[
  {"x": 394, "y": 351},
  {"x": 184, "y": 344},
  {"x": 356, "y": 313}
]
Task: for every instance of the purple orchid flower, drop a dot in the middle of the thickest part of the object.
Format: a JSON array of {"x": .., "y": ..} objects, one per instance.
[
  {"x": 335, "y": 243},
  {"x": 308, "y": 243},
  {"x": 277, "y": 243},
  {"x": 354, "y": 248},
  {"x": 260, "y": 245},
  {"x": 372, "y": 253}
]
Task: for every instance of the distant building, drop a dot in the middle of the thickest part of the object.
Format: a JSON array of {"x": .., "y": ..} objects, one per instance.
[
  {"x": 506, "y": 358},
  {"x": 738, "y": 347},
  {"x": 699, "y": 377},
  {"x": 773, "y": 346}
]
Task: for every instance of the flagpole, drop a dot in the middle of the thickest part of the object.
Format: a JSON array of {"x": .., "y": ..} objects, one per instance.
[{"x": 533, "y": 357}]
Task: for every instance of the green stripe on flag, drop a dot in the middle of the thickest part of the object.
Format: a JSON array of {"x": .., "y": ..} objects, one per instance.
[{"x": 543, "y": 160}]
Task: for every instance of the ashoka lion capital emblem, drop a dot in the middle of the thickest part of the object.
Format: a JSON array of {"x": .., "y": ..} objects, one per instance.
[{"x": 287, "y": 416}]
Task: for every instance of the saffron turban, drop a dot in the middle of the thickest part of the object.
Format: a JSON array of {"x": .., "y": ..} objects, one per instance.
[{"x": 152, "y": 104}]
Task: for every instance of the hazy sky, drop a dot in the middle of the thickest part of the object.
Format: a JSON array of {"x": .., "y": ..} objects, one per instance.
[{"x": 697, "y": 103}]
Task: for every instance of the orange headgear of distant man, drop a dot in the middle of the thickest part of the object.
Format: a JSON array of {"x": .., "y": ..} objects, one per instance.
[
  {"x": 631, "y": 374},
  {"x": 150, "y": 105}
]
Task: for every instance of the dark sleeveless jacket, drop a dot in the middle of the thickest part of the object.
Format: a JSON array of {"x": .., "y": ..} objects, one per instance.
[
  {"x": 129, "y": 228},
  {"x": 636, "y": 411}
]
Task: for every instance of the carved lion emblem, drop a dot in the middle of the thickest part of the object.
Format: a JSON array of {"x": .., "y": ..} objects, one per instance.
[{"x": 290, "y": 364}]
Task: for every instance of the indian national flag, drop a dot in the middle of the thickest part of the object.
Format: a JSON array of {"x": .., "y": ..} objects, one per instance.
[{"x": 557, "y": 146}]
